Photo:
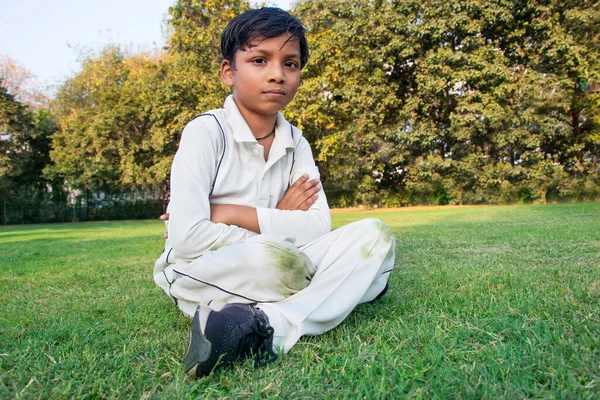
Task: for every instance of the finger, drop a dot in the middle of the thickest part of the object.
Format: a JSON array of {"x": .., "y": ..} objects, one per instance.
[
  {"x": 310, "y": 184},
  {"x": 164, "y": 217},
  {"x": 300, "y": 181},
  {"x": 308, "y": 202},
  {"x": 304, "y": 190},
  {"x": 310, "y": 192},
  {"x": 301, "y": 185}
]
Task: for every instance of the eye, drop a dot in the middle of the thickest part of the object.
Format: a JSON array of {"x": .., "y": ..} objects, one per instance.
[
  {"x": 259, "y": 60},
  {"x": 291, "y": 64}
]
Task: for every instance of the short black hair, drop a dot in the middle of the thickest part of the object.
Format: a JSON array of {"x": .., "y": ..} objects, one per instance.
[{"x": 265, "y": 23}]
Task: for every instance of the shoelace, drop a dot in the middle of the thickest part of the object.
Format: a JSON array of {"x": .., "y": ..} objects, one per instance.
[{"x": 260, "y": 343}]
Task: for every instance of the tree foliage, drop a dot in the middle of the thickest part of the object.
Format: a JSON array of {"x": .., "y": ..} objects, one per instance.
[
  {"x": 20, "y": 82},
  {"x": 106, "y": 114},
  {"x": 191, "y": 84},
  {"x": 454, "y": 102},
  {"x": 15, "y": 125},
  {"x": 404, "y": 102},
  {"x": 25, "y": 138},
  {"x": 122, "y": 116}
]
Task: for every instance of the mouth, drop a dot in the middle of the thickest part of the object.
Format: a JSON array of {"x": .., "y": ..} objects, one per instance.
[{"x": 274, "y": 92}]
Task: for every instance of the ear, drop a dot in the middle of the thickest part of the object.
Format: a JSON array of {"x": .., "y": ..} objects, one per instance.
[{"x": 227, "y": 73}]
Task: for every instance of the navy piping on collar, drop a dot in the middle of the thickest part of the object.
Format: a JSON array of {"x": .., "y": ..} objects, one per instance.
[
  {"x": 212, "y": 188},
  {"x": 220, "y": 288},
  {"x": 224, "y": 148}
]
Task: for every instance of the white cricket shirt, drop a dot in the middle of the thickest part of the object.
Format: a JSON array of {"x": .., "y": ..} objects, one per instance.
[{"x": 231, "y": 164}]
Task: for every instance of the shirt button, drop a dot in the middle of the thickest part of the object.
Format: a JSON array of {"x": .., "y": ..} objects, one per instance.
[{"x": 255, "y": 152}]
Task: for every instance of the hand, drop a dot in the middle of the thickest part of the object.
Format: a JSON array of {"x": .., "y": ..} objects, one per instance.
[
  {"x": 301, "y": 195},
  {"x": 165, "y": 217}
]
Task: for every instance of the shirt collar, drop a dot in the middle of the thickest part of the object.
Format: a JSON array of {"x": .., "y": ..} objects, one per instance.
[{"x": 242, "y": 132}]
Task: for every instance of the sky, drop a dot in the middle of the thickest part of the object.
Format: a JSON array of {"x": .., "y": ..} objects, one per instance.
[{"x": 48, "y": 37}]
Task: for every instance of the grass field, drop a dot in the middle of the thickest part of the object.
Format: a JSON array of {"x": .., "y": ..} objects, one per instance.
[{"x": 485, "y": 302}]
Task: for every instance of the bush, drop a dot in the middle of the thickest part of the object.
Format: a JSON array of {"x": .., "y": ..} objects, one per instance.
[{"x": 524, "y": 195}]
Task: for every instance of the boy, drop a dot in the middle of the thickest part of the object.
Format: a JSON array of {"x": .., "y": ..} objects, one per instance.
[{"x": 249, "y": 252}]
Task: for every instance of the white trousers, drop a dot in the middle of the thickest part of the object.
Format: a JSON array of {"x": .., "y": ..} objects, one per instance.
[{"x": 305, "y": 290}]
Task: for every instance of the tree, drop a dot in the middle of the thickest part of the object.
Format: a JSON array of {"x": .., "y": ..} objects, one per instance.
[
  {"x": 191, "y": 83},
  {"x": 403, "y": 101},
  {"x": 499, "y": 84},
  {"x": 24, "y": 152},
  {"x": 21, "y": 83},
  {"x": 122, "y": 116},
  {"x": 15, "y": 124},
  {"x": 453, "y": 102},
  {"x": 105, "y": 118},
  {"x": 353, "y": 89}
]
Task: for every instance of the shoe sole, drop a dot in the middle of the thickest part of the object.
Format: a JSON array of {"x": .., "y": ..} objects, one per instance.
[
  {"x": 199, "y": 347},
  {"x": 381, "y": 294}
]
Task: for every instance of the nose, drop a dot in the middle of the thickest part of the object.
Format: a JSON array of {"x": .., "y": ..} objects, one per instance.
[{"x": 276, "y": 73}]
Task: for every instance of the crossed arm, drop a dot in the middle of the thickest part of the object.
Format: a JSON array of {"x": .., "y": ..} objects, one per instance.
[
  {"x": 300, "y": 196},
  {"x": 197, "y": 226}
]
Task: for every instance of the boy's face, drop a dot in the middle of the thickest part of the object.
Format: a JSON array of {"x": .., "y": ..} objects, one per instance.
[{"x": 265, "y": 77}]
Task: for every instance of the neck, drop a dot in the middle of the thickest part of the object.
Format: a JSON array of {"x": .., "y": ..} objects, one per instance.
[
  {"x": 263, "y": 130},
  {"x": 260, "y": 125},
  {"x": 268, "y": 135}
]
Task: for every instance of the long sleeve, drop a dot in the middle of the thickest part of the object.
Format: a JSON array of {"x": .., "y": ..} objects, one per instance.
[
  {"x": 194, "y": 169},
  {"x": 304, "y": 226}
]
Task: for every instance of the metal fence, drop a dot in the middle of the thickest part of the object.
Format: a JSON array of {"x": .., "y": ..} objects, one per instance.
[{"x": 48, "y": 212}]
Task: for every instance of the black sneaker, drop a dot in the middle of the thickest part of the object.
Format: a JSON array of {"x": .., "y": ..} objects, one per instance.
[{"x": 218, "y": 338}]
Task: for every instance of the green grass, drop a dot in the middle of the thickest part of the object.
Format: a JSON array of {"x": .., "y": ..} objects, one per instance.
[{"x": 485, "y": 302}]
